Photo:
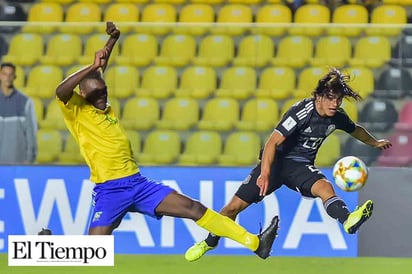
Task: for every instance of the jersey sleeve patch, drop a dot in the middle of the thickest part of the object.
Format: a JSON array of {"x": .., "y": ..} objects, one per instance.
[{"x": 289, "y": 123}]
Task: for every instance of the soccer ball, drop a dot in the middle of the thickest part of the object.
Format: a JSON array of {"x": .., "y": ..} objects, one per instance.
[{"x": 350, "y": 173}]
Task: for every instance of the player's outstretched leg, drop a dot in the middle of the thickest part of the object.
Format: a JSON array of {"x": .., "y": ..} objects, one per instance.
[
  {"x": 266, "y": 238},
  {"x": 358, "y": 217}
]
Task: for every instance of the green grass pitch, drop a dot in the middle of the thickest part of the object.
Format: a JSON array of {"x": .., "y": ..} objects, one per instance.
[{"x": 212, "y": 264}]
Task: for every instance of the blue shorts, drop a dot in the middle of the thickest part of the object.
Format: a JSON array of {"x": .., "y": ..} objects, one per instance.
[{"x": 136, "y": 193}]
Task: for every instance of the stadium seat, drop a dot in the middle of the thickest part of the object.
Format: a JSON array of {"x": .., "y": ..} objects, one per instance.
[
  {"x": 240, "y": 149},
  {"x": 350, "y": 17},
  {"x": 378, "y": 115},
  {"x": 384, "y": 18},
  {"x": 202, "y": 16},
  {"x": 161, "y": 147},
  {"x": 53, "y": 118},
  {"x": 237, "y": 82},
  {"x": 294, "y": 51},
  {"x": 115, "y": 104},
  {"x": 176, "y": 50},
  {"x": 179, "y": 114},
  {"x": 362, "y": 80},
  {"x": 49, "y": 146},
  {"x": 63, "y": 50},
  {"x": 400, "y": 154},
  {"x": 20, "y": 81},
  {"x": 215, "y": 50},
  {"x": 42, "y": 81},
  {"x": 83, "y": 15},
  {"x": 11, "y": 12},
  {"x": 332, "y": 51},
  {"x": 393, "y": 83},
  {"x": 122, "y": 81},
  {"x": 272, "y": 14},
  {"x": 404, "y": 123},
  {"x": 201, "y": 148},
  {"x": 92, "y": 43},
  {"x": 38, "y": 108},
  {"x": 219, "y": 114},
  {"x": 276, "y": 82},
  {"x": 138, "y": 50},
  {"x": 135, "y": 142},
  {"x": 351, "y": 108},
  {"x": 402, "y": 52},
  {"x": 366, "y": 153},
  {"x": 329, "y": 152},
  {"x": 246, "y": 2},
  {"x": 71, "y": 152},
  {"x": 197, "y": 82},
  {"x": 230, "y": 18},
  {"x": 157, "y": 13},
  {"x": 286, "y": 105},
  {"x": 371, "y": 51},
  {"x": 308, "y": 80},
  {"x": 259, "y": 115},
  {"x": 44, "y": 12},
  {"x": 158, "y": 82},
  {"x": 310, "y": 14},
  {"x": 140, "y": 113},
  {"x": 133, "y": 1},
  {"x": 254, "y": 51},
  {"x": 123, "y": 14},
  {"x": 24, "y": 49},
  {"x": 210, "y": 2},
  {"x": 60, "y": 1},
  {"x": 4, "y": 47}
]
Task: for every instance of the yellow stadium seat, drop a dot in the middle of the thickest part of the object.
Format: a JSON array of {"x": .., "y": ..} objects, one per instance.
[
  {"x": 49, "y": 146},
  {"x": 133, "y": 1},
  {"x": 42, "y": 81},
  {"x": 24, "y": 49},
  {"x": 155, "y": 15},
  {"x": 219, "y": 114},
  {"x": 197, "y": 82},
  {"x": 286, "y": 105},
  {"x": 140, "y": 113},
  {"x": 115, "y": 104},
  {"x": 177, "y": 50},
  {"x": 351, "y": 109},
  {"x": 135, "y": 142},
  {"x": 123, "y": 14},
  {"x": 71, "y": 152},
  {"x": 83, "y": 15},
  {"x": 307, "y": 16},
  {"x": 53, "y": 118},
  {"x": 308, "y": 80},
  {"x": 179, "y": 114},
  {"x": 210, "y": 2},
  {"x": 172, "y": 2},
  {"x": 332, "y": 51},
  {"x": 38, "y": 108},
  {"x": 161, "y": 147},
  {"x": 237, "y": 82},
  {"x": 276, "y": 82},
  {"x": 348, "y": 17},
  {"x": 371, "y": 51},
  {"x": 255, "y": 51},
  {"x": 246, "y": 2},
  {"x": 59, "y": 1},
  {"x": 201, "y": 148},
  {"x": 197, "y": 19},
  {"x": 96, "y": 1},
  {"x": 93, "y": 43},
  {"x": 215, "y": 50},
  {"x": 384, "y": 18},
  {"x": 362, "y": 80},
  {"x": 240, "y": 149},
  {"x": 44, "y": 12},
  {"x": 122, "y": 81},
  {"x": 294, "y": 51},
  {"x": 230, "y": 16},
  {"x": 158, "y": 82},
  {"x": 259, "y": 115},
  {"x": 20, "y": 80},
  {"x": 138, "y": 50},
  {"x": 273, "y": 14},
  {"x": 63, "y": 50},
  {"x": 329, "y": 152}
]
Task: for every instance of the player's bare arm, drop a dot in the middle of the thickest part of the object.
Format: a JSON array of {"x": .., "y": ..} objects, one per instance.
[
  {"x": 268, "y": 156},
  {"x": 114, "y": 34},
  {"x": 364, "y": 136}
]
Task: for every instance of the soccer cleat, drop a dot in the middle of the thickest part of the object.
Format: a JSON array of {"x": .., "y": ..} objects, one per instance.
[
  {"x": 358, "y": 217},
  {"x": 196, "y": 251},
  {"x": 266, "y": 238}
]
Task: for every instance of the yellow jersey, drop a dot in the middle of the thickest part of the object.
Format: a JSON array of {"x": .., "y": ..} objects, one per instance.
[{"x": 103, "y": 142}]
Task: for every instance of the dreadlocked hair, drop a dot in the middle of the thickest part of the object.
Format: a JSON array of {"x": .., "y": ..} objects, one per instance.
[{"x": 335, "y": 82}]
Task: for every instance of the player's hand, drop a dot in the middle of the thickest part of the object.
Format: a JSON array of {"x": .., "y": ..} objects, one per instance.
[
  {"x": 100, "y": 58},
  {"x": 383, "y": 144},
  {"x": 263, "y": 183},
  {"x": 112, "y": 30}
]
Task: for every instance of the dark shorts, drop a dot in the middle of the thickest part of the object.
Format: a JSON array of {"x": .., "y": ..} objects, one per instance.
[
  {"x": 297, "y": 176},
  {"x": 136, "y": 193}
]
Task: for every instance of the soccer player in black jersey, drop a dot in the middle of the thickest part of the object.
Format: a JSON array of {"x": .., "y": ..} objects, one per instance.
[{"x": 289, "y": 154}]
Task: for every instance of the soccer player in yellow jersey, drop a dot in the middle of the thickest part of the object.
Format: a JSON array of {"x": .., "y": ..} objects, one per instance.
[{"x": 119, "y": 186}]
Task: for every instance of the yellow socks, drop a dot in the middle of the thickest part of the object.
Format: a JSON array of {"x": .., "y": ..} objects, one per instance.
[{"x": 226, "y": 227}]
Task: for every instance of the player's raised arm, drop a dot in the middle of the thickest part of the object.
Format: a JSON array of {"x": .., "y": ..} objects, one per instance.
[{"x": 114, "y": 34}]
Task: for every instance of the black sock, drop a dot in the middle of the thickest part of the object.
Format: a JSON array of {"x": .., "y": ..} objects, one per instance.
[
  {"x": 212, "y": 240},
  {"x": 337, "y": 209}
]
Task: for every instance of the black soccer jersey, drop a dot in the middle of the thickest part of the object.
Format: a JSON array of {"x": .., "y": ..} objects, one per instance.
[{"x": 305, "y": 130}]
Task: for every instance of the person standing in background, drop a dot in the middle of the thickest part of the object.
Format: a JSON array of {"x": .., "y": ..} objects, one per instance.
[{"x": 18, "y": 125}]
